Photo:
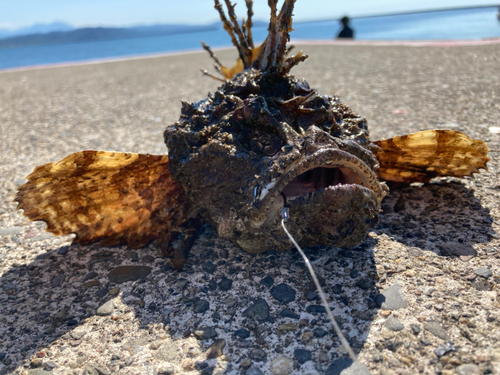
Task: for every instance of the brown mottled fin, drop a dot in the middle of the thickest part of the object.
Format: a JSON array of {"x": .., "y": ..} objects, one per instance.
[
  {"x": 421, "y": 156},
  {"x": 110, "y": 197}
]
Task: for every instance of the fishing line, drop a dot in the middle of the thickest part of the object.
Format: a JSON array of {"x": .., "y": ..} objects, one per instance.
[{"x": 285, "y": 215}]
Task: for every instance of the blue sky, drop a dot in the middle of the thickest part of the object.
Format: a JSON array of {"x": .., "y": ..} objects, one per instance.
[{"x": 19, "y": 13}]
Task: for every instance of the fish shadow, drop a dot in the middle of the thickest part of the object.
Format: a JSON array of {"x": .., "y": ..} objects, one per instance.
[
  {"x": 444, "y": 217},
  {"x": 261, "y": 305}
]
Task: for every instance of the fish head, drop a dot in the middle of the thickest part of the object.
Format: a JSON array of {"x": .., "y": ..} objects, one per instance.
[{"x": 263, "y": 142}]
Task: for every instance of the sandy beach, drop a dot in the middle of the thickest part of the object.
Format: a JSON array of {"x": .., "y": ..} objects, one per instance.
[{"x": 434, "y": 258}]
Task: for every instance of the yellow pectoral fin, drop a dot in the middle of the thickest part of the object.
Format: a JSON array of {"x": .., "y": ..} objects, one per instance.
[
  {"x": 421, "y": 156},
  {"x": 238, "y": 67},
  {"x": 111, "y": 197}
]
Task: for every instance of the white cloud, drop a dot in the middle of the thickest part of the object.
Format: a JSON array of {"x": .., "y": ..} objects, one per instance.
[{"x": 6, "y": 25}]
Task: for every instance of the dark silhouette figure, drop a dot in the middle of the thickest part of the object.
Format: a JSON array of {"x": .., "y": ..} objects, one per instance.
[{"x": 346, "y": 31}]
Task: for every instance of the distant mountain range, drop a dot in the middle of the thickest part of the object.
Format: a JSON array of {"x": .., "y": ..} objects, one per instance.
[
  {"x": 60, "y": 32},
  {"x": 39, "y": 28}
]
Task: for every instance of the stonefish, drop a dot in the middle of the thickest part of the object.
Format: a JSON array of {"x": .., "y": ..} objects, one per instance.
[{"x": 262, "y": 141}]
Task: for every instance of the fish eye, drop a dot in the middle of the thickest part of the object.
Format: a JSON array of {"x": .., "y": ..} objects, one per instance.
[{"x": 264, "y": 143}]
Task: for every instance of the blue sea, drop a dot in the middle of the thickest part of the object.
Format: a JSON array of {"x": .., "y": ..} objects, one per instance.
[{"x": 459, "y": 24}]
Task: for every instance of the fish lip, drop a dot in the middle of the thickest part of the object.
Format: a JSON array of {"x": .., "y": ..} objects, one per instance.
[{"x": 265, "y": 204}]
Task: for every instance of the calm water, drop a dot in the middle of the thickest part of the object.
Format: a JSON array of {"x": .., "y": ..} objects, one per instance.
[{"x": 445, "y": 25}]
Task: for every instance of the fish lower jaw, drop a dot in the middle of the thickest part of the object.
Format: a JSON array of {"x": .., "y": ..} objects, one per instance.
[
  {"x": 337, "y": 215},
  {"x": 327, "y": 168}
]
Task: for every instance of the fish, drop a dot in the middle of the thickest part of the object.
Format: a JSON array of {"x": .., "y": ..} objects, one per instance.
[{"x": 264, "y": 141}]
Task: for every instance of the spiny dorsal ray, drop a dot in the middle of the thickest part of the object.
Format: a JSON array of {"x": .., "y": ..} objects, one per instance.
[{"x": 271, "y": 54}]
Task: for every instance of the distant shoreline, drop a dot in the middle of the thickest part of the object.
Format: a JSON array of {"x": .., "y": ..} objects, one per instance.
[
  {"x": 367, "y": 43},
  {"x": 104, "y": 60}
]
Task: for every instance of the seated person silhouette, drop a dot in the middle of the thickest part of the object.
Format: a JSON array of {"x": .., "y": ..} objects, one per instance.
[{"x": 346, "y": 31}]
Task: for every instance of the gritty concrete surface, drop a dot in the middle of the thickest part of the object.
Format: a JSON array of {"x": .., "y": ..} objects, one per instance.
[{"x": 432, "y": 266}]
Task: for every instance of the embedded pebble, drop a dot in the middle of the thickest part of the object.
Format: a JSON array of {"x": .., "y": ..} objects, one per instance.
[
  {"x": 215, "y": 350},
  {"x": 468, "y": 369},
  {"x": 439, "y": 307},
  {"x": 106, "y": 309},
  {"x": 36, "y": 362},
  {"x": 283, "y": 293},
  {"x": 364, "y": 283},
  {"x": 415, "y": 328},
  {"x": 436, "y": 329},
  {"x": 483, "y": 272},
  {"x": 319, "y": 332},
  {"x": 302, "y": 355},
  {"x": 245, "y": 363},
  {"x": 90, "y": 275},
  {"x": 231, "y": 302},
  {"x": 281, "y": 366},
  {"x": 63, "y": 250},
  {"x": 258, "y": 311},
  {"x": 444, "y": 349},
  {"x": 91, "y": 283},
  {"x": 212, "y": 285},
  {"x": 49, "y": 366},
  {"x": 78, "y": 334},
  {"x": 267, "y": 281},
  {"x": 316, "y": 309},
  {"x": 57, "y": 281},
  {"x": 258, "y": 355},
  {"x": 289, "y": 314},
  {"x": 392, "y": 298},
  {"x": 242, "y": 333},
  {"x": 201, "y": 306},
  {"x": 312, "y": 296},
  {"x": 208, "y": 267},
  {"x": 131, "y": 255},
  {"x": 155, "y": 344},
  {"x": 205, "y": 333},
  {"x": 225, "y": 284},
  {"x": 166, "y": 370},
  {"x": 323, "y": 357},
  {"x": 288, "y": 327},
  {"x": 148, "y": 259},
  {"x": 482, "y": 285},
  {"x": 122, "y": 274},
  {"x": 167, "y": 352},
  {"x": 393, "y": 324},
  {"x": 182, "y": 283}
]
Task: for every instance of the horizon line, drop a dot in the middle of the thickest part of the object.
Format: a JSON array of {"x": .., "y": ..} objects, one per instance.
[{"x": 376, "y": 15}]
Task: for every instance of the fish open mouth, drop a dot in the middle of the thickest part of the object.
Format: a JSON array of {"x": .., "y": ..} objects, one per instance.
[
  {"x": 319, "y": 178},
  {"x": 327, "y": 170}
]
